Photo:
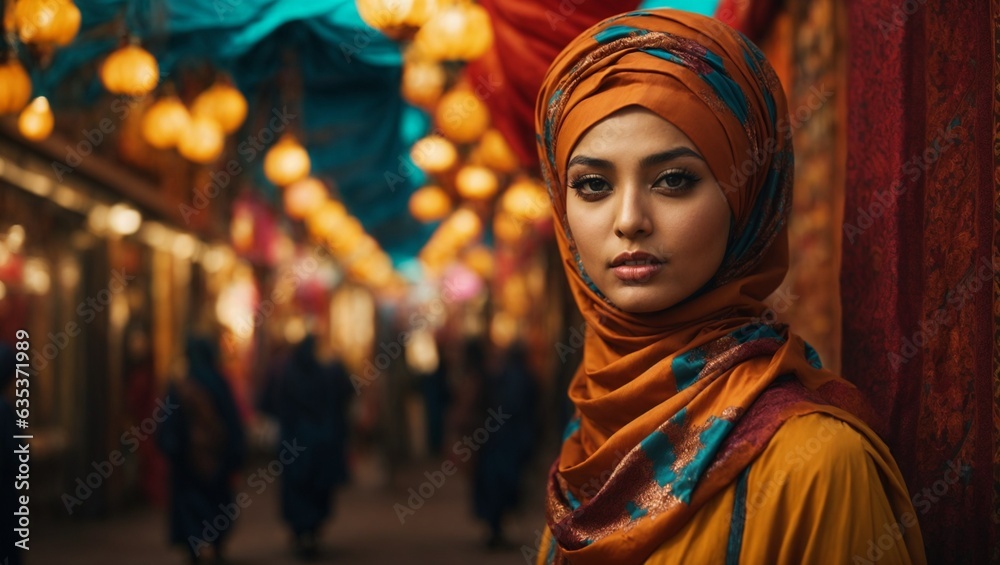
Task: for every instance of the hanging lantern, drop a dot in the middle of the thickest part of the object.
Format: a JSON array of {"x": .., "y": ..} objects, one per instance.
[
  {"x": 165, "y": 122},
  {"x": 461, "y": 32},
  {"x": 15, "y": 86},
  {"x": 495, "y": 152},
  {"x": 324, "y": 220},
  {"x": 394, "y": 18},
  {"x": 131, "y": 70},
  {"x": 475, "y": 182},
  {"x": 286, "y": 162},
  {"x": 36, "y": 120},
  {"x": 222, "y": 103},
  {"x": 423, "y": 82},
  {"x": 480, "y": 260},
  {"x": 464, "y": 224},
  {"x": 430, "y": 204},
  {"x": 434, "y": 154},
  {"x": 202, "y": 141},
  {"x": 304, "y": 196},
  {"x": 507, "y": 228},
  {"x": 348, "y": 234},
  {"x": 526, "y": 199},
  {"x": 461, "y": 116},
  {"x": 47, "y": 21}
]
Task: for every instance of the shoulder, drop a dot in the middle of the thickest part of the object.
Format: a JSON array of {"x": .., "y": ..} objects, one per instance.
[{"x": 815, "y": 443}]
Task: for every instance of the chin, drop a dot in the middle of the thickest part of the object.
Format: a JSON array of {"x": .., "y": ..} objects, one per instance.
[{"x": 641, "y": 300}]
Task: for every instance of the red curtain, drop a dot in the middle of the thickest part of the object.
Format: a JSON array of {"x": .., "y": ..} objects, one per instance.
[{"x": 918, "y": 279}]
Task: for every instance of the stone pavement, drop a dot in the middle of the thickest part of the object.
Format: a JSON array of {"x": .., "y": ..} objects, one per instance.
[{"x": 364, "y": 530}]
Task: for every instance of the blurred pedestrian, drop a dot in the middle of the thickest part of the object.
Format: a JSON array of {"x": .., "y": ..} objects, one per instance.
[
  {"x": 310, "y": 401},
  {"x": 9, "y": 553},
  {"x": 205, "y": 444},
  {"x": 500, "y": 463}
]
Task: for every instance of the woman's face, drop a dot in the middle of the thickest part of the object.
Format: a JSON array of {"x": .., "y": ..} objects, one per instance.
[{"x": 649, "y": 219}]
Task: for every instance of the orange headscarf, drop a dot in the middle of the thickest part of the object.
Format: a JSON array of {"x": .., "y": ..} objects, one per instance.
[{"x": 675, "y": 404}]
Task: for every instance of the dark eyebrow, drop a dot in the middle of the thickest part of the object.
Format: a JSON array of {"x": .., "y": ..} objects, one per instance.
[{"x": 646, "y": 161}]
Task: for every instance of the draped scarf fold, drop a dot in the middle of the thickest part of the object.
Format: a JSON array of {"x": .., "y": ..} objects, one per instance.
[{"x": 672, "y": 406}]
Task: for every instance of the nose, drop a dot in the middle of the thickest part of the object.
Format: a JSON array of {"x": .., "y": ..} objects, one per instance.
[{"x": 633, "y": 219}]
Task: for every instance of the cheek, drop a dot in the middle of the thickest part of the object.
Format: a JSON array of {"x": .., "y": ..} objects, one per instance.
[
  {"x": 700, "y": 233},
  {"x": 587, "y": 228}
]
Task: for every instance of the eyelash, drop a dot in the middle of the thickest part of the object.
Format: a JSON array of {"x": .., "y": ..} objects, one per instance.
[{"x": 578, "y": 184}]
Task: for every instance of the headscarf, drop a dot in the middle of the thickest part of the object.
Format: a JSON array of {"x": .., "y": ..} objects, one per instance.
[{"x": 676, "y": 404}]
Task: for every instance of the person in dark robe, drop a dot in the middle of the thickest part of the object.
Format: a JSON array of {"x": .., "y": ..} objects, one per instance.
[
  {"x": 510, "y": 392},
  {"x": 9, "y": 553},
  {"x": 310, "y": 401},
  {"x": 205, "y": 444}
]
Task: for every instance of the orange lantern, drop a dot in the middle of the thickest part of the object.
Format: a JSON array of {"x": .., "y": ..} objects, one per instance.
[
  {"x": 165, "y": 122},
  {"x": 526, "y": 199},
  {"x": 304, "y": 196},
  {"x": 480, "y": 260},
  {"x": 507, "y": 228},
  {"x": 461, "y": 32},
  {"x": 47, "y": 21},
  {"x": 324, "y": 220},
  {"x": 464, "y": 225},
  {"x": 224, "y": 104},
  {"x": 429, "y": 204},
  {"x": 395, "y": 18},
  {"x": 423, "y": 82},
  {"x": 495, "y": 152},
  {"x": 15, "y": 86},
  {"x": 36, "y": 120},
  {"x": 462, "y": 116},
  {"x": 286, "y": 162},
  {"x": 202, "y": 141},
  {"x": 131, "y": 70},
  {"x": 434, "y": 154},
  {"x": 476, "y": 182},
  {"x": 347, "y": 236}
]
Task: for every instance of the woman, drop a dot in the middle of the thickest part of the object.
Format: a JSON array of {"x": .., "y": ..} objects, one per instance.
[
  {"x": 205, "y": 443},
  {"x": 703, "y": 433}
]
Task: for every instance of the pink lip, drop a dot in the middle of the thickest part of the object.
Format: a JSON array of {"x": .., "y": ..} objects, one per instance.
[{"x": 636, "y": 266}]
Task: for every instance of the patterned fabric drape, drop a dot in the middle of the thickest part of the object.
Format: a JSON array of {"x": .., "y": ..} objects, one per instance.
[{"x": 918, "y": 280}]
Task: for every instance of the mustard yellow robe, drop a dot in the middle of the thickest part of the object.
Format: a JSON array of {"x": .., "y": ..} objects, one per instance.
[{"x": 819, "y": 493}]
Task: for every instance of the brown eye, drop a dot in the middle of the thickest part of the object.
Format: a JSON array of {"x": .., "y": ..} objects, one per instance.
[
  {"x": 678, "y": 181},
  {"x": 590, "y": 187}
]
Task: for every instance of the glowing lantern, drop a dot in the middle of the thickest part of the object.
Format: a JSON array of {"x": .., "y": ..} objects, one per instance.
[
  {"x": 47, "y": 21},
  {"x": 430, "y": 204},
  {"x": 507, "y": 228},
  {"x": 480, "y": 260},
  {"x": 15, "y": 86},
  {"x": 462, "y": 116},
  {"x": 395, "y": 18},
  {"x": 476, "y": 182},
  {"x": 495, "y": 152},
  {"x": 131, "y": 70},
  {"x": 165, "y": 122},
  {"x": 526, "y": 199},
  {"x": 348, "y": 234},
  {"x": 36, "y": 121},
  {"x": 434, "y": 154},
  {"x": 457, "y": 33},
  {"x": 304, "y": 196},
  {"x": 286, "y": 162},
  {"x": 222, "y": 103},
  {"x": 423, "y": 82},
  {"x": 324, "y": 221},
  {"x": 202, "y": 141},
  {"x": 241, "y": 229},
  {"x": 464, "y": 225}
]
